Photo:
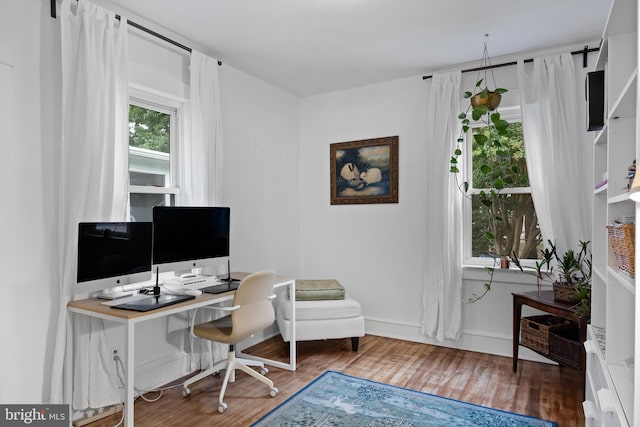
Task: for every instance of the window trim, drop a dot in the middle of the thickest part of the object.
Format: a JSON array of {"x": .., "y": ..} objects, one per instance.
[{"x": 173, "y": 106}]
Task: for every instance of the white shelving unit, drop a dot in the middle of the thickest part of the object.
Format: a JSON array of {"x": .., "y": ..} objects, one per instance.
[{"x": 611, "y": 398}]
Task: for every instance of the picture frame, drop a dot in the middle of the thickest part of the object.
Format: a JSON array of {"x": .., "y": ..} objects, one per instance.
[{"x": 364, "y": 171}]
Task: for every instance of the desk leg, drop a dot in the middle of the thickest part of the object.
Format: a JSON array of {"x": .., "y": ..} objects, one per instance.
[
  {"x": 517, "y": 312},
  {"x": 129, "y": 374}
]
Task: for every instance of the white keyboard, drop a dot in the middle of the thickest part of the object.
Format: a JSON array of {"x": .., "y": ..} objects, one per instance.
[{"x": 125, "y": 300}]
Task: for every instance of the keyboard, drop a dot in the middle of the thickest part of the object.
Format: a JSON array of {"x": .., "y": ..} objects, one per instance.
[
  {"x": 221, "y": 288},
  {"x": 125, "y": 300},
  {"x": 153, "y": 302}
]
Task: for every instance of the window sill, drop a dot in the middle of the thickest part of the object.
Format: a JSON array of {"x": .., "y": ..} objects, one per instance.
[{"x": 511, "y": 275}]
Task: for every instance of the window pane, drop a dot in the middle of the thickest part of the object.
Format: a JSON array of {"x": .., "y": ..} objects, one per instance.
[
  {"x": 505, "y": 159},
  {"x": 149, "y": 147},
  {"x": 149, "y": 129},
  {"x": 150, "y": 179},
  {"x": 516, "y": 231},
  {"x": 141, "y": 205},
  {"x": 511, "y": 218}
]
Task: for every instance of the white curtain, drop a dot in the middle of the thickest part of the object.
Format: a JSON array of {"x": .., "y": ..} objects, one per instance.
[
  {"x": 200, "y": 155},
  {"x": 551, "y": 128},
  {"x": 200, "y": 150},
  {"x": 442, "y": 285},
  {"x": 94, "y": 168}
]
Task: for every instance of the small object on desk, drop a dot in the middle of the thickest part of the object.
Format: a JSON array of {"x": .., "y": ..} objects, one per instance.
[
  {"x": 154, "y": 302},
  {"x": 130, "y": 298},
  {"x": 113, "y": 295},
  {"x": 187, "y": 276},
  {"x": 193, "y": 292},
  {"x": 221, "y": 288},
  {"x": 156, "y": 288}
]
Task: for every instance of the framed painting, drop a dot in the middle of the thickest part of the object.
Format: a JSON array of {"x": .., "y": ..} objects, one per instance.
[{"x": 364, "y": 171}]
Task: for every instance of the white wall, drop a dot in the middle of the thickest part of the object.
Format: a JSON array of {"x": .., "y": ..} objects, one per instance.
[
  {"x": 29, "y": 94},
  {"x": 375, "y": 251},
  {"x": 261, "y": 173}
]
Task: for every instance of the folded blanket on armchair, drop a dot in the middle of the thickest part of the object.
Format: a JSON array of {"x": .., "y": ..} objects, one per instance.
[{"x": 319, "y": 289}]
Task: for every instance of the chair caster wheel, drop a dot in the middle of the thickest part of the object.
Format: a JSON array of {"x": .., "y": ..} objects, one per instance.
[
  {"x": 222, "y": 407},
  {"x": 264, "y": 371},
  {"x": 273, "y": 392},
  {"x": 186, "y": 392}
]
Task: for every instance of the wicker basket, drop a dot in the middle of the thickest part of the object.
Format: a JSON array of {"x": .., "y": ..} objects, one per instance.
[
  {"x": 564, "y": 293},
  {"x": 621, "y": 244},
  {"x": 534, "y": 331},
  {"x": 565, "y": 346}
]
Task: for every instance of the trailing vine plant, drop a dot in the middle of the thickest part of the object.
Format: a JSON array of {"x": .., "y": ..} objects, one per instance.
[{"x": 483, "y": 109}]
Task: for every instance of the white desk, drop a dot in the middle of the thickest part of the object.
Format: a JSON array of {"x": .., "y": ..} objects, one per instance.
[{"x": 94, "y": 307}]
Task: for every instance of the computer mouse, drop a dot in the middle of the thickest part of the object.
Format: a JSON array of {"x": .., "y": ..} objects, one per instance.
[{"x": 194, "y": 292}]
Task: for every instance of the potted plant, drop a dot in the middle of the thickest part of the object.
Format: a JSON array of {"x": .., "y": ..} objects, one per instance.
[{"x": 573, "y": 283}]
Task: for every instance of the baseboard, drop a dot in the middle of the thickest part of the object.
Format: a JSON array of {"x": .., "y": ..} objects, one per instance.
[
  {"x": 161, "y": 371},
  {"x": 472, "y": 340},
  {"x": 97, "y": 415}
]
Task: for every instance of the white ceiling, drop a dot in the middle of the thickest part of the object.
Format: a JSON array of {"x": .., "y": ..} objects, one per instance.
[{"x": 314, "y": 46}]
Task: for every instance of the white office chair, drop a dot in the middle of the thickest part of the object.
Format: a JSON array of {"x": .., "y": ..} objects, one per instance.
[{"x": 251, "y": 312}]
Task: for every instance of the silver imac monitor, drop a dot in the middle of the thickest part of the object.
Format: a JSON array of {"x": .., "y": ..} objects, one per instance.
[
  {"x": 187, "y": 238},
  {"x": 113, "y": 254}
]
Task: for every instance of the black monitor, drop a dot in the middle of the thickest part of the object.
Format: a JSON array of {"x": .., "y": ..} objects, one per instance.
[
  {"x": 112, "y": 254},
  {"x": 186, "y": 237}
]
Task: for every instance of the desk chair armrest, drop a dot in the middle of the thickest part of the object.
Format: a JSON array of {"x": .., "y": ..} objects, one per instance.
[{"x": 224, "y": 308}]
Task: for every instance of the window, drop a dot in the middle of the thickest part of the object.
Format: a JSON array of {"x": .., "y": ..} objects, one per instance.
[
  {"x": 153, "y": 123},
  {"x": 512, "y": 217}
]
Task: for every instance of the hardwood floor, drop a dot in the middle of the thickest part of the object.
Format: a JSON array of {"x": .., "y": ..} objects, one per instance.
[{"x": 537, "y": 389}]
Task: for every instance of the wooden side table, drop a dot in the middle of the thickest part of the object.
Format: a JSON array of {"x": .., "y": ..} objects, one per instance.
[{"x": 544, "y": 301}]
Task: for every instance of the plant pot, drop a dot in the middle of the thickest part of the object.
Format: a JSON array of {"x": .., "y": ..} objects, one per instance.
[
  {"x": 492, "y": 100},
  {"x": 564, "y": 293}
]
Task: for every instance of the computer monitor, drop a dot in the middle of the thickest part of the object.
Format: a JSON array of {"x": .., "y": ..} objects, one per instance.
[
  {"x": 187, "y": 237},
  {"x": 112, "y": 254}
]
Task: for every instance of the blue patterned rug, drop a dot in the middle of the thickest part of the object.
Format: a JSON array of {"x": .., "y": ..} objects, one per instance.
[{"x": 335, "y": 399}]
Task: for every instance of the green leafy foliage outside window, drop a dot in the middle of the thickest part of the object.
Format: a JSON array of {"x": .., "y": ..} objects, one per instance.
[
  {"x": 149, "y": 129},
  {"x": 507, "y": 222}
]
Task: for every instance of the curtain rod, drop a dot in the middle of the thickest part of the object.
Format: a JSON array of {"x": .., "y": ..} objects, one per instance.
[
  {"x": 141, "y": 28},
  {"x": 582, "y": 52}
]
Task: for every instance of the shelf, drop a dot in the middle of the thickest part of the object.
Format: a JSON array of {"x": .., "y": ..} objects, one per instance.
[
  {"x": 620, "y": 198},
  {"x": 616, "y": 376},
  {"x": 625, "y": 104},
  {"x": 601, "y": 136},
  {"x": 601, "y": 190},
  {"x": 624, "y": 387},
  {"x": 615, "y": 305},
  {"x": 598, "y": 271},
  {"x": 623, "y": 279}
]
